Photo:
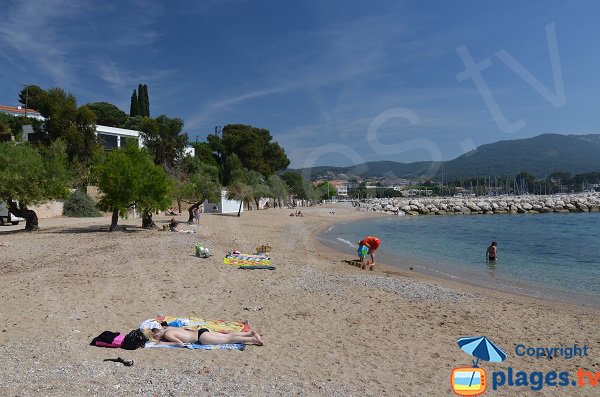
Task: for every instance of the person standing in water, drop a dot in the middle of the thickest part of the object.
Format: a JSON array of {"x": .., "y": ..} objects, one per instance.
[{"x": 491, "y": 253}]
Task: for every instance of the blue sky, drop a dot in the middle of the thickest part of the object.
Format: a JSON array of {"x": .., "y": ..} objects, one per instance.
[{"x": 336, "y": 82}]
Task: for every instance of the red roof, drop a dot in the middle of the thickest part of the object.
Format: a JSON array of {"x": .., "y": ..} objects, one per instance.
[{"x": 13, "y": 109}]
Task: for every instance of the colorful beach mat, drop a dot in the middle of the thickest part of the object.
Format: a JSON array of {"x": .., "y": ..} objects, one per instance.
[
  {"x": 195, "y": 323},
  {"x": 246, "y": 260},
  {"x": 194, "y": 346}
]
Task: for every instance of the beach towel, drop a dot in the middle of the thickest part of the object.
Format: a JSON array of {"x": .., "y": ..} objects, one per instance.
[
  {"x": 195, "y": 323},
  {"x": 224, "y": 346},
  {"x": 239, "y": 259},
  {"x": 253, "y": 267}
]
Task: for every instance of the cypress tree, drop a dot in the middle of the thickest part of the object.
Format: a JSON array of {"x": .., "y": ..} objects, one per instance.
[
  {"x": 141, "y": 106},
  {"x": 134, "y": 108},
  {"x": 146, "y": 100}
]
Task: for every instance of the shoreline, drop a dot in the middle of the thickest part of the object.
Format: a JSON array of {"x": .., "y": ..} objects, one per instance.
[{"x": 434, "y": 275}]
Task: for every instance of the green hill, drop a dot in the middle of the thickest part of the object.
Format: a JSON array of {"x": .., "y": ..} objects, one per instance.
[{"x": 541, "y": 156}]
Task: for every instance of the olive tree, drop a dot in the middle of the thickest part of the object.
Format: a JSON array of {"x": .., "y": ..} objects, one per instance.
[
  {"x": 128, "y": 177},
  {"x": 30, "y": 176}
]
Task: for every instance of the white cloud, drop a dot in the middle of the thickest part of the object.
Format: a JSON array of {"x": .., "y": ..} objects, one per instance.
[{"x": 31, "y": 30}]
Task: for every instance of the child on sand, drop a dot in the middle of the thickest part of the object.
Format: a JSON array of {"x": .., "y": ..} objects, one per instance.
[
  {"x": 371, "y": 243},
  {"x": 176, "y": 336},
  {"x": 362, "y": 252},
  {"x": 173, "y": 225}
]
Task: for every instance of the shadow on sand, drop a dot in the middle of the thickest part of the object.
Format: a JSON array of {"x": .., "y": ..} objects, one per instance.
[
  {"x": 92, "y": 229},
  {"x": 356, "y": 262}
]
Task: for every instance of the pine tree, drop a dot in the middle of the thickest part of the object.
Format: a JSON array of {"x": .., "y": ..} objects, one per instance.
[
  {"x": 146, "y": 101},
  {"x": 134, "y": 109}
]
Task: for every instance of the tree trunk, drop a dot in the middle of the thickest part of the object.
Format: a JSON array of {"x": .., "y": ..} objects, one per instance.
[
  {"x": 240, "y": 209},
  {"x": 147, "y": 222},
  {"x": 31, "y": 219},
  {"x": 114, "y": 220},
  {"x": 191, "y": 211}
]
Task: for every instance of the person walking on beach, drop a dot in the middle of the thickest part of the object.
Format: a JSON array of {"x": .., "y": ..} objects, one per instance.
[
  {"x": 196, "y": 214},
  {"x": 372, "y": 243},
  {"x": 491, "y": 252}
]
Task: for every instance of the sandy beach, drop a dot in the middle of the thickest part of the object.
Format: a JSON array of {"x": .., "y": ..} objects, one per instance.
[{"x": 330, "y": 329}]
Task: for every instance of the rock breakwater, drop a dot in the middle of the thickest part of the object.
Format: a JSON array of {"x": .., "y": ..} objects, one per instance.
[{"x": 564, "y": 203}]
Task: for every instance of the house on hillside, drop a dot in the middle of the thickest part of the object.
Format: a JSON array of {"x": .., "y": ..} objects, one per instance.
[
  {"x": 110, "y": 137},
  {"x": 21, "y": 111}
]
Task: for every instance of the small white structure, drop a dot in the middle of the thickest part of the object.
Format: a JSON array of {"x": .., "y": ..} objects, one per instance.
[
  {"x": 189, "y": 151},
  {"x": 225, "y": 206}
]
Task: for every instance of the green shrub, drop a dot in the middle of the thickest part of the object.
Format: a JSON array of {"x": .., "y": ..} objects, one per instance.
[{"x": 80, "y": 205}]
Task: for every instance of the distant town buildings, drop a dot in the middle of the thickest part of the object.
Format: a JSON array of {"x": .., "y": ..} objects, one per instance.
[{"x": 341, "y": 188}]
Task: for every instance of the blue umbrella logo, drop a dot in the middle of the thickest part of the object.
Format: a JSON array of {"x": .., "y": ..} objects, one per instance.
[{"x": 481, "y": 348}]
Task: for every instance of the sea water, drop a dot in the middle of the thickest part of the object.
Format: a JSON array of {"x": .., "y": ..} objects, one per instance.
[{"x": 543, "y": 255}]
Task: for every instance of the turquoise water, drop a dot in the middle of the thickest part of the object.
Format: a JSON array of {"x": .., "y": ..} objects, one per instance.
[{"x": 547, "y": 255}]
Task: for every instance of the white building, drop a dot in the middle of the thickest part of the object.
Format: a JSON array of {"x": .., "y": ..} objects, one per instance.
[
  {"x": 114, "y": 138},
  {"x": 21, "y": 111},
  {"x": 109, "y": 137},
  {"x": 341, "y": 188},
  {"x": 224, "y": 206}
]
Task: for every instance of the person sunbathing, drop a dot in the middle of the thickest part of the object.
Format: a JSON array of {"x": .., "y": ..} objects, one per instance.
[{"x": 176, "y": 336}]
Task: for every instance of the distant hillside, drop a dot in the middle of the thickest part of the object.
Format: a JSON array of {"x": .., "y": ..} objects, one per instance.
[{"x": 541, "y": 156}]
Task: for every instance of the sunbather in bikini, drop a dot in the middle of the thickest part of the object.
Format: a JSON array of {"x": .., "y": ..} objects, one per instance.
[{"x": 177, "y": 336}]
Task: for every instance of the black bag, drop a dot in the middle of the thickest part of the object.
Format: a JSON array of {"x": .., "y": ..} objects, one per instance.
[{"x": 134, "y": 340}]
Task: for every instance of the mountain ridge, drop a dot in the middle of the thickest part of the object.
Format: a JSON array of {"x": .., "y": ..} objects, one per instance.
[{"x": 540, "y": 155}]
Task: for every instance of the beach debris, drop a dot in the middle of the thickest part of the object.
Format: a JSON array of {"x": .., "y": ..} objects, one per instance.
[
  {"x": 127, "y": 363},
  {"x": 201, "y": 251},
  {"x": 263, "y": 249},
  {"x": 254, "y": 308}
]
